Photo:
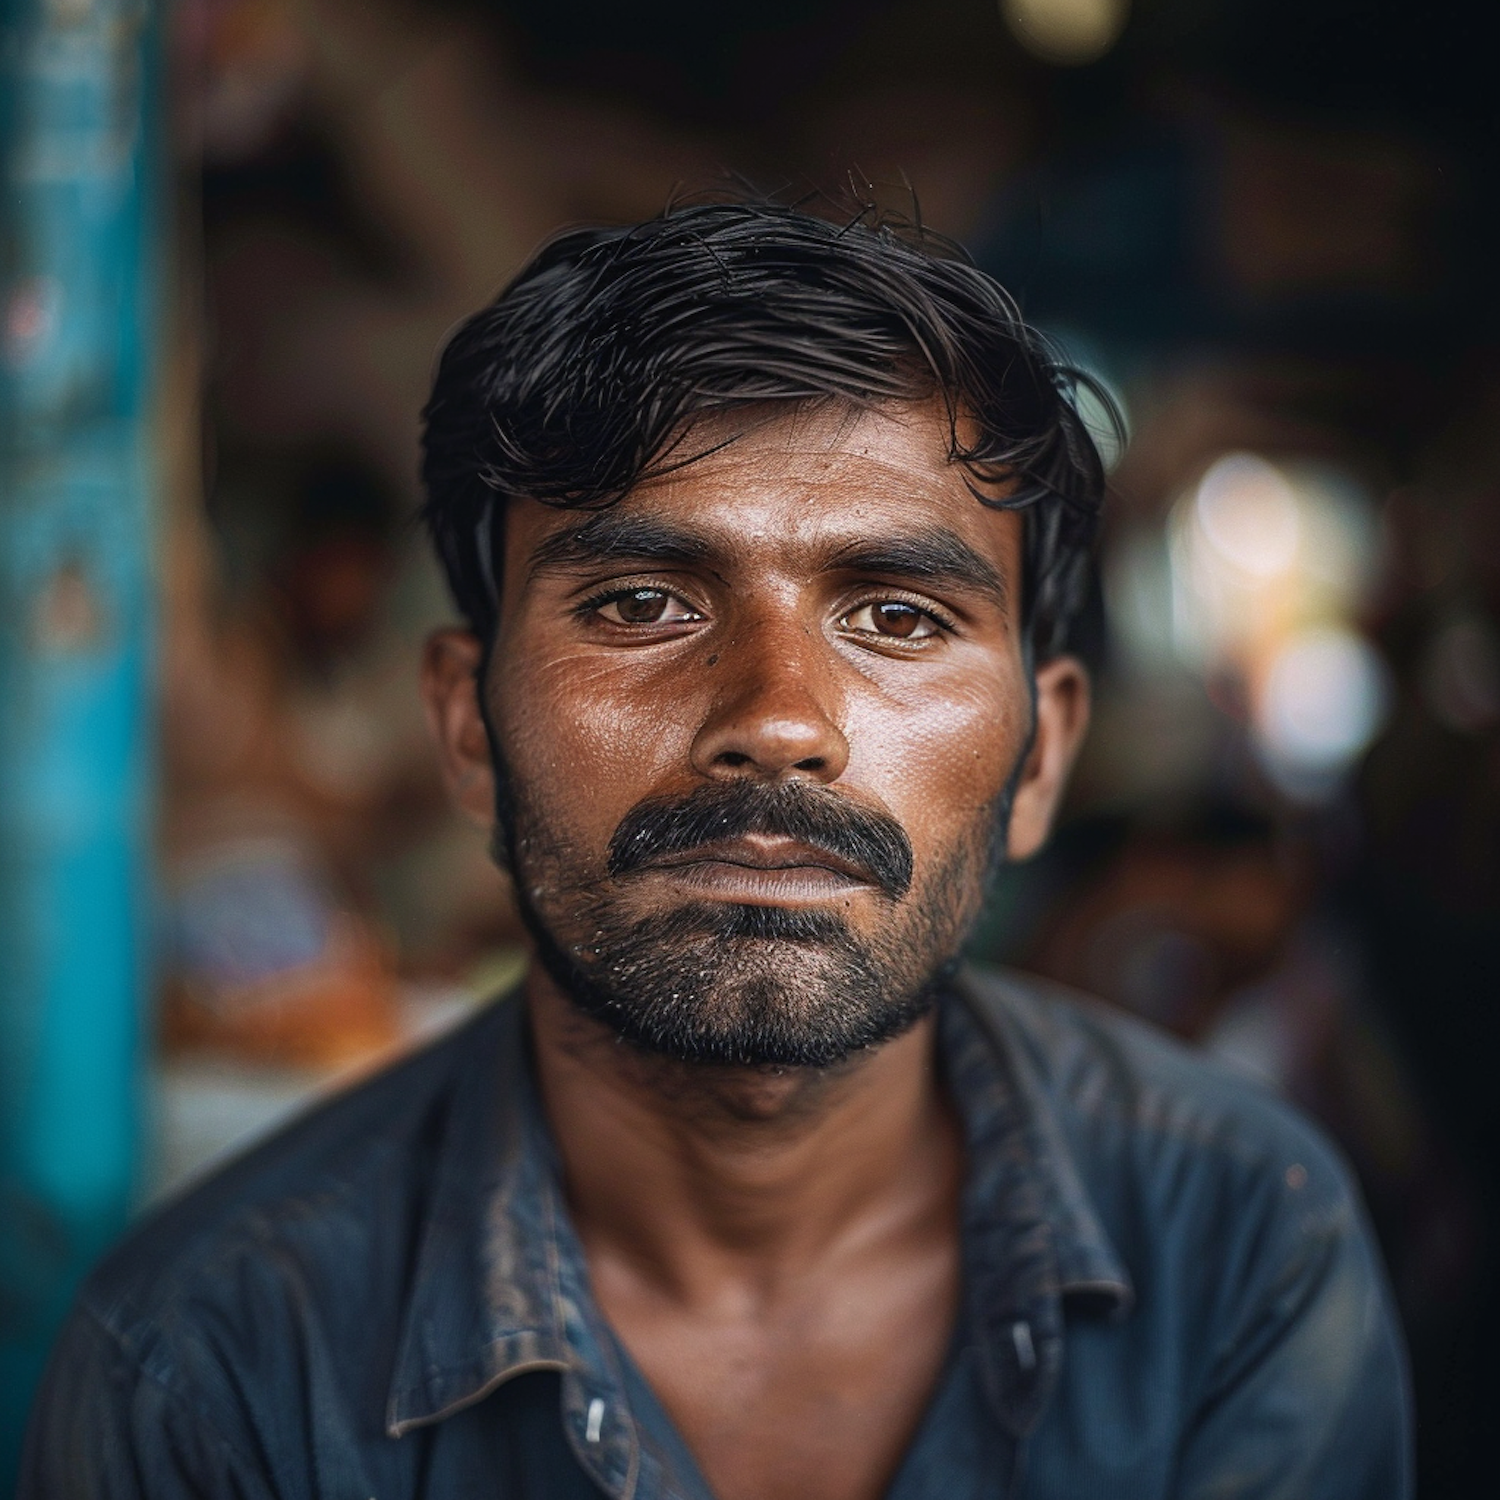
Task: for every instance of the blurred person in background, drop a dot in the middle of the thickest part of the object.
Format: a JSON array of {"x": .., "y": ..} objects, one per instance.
[{"x": 771, "y": 536}]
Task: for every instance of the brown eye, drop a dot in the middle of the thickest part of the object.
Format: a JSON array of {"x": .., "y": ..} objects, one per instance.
[
  {"x": 646, "y": 607},
  {"x": 895, "y": 618},
  {"x": 643, "y": 607},
  {"x": 891, "y": 619}
]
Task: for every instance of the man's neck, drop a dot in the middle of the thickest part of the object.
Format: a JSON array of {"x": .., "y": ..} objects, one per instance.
[{"x": 699, "y": 1177}]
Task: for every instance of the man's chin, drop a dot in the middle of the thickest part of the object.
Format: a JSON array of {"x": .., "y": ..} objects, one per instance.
[
  {"x": 738, "y": 1028},
  {"x": 743, "y": 986}
]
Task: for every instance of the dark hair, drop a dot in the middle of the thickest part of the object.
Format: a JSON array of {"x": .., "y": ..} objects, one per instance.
[{"x": 583, "y": 375}]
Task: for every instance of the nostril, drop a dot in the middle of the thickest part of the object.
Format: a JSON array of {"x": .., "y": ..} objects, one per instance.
[{"x": 769, "y": 735}]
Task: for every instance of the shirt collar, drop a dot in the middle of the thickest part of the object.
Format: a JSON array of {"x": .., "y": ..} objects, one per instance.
[
  {"x": 1033, "y": 1242},
  {"x": 485, "y": 1299},
  {"x": 499, "y": 1287}
]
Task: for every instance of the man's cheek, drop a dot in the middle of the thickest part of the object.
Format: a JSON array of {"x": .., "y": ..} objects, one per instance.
[
  {"x": 938, "y": 765},
  {"x": 584, "y": 762}
]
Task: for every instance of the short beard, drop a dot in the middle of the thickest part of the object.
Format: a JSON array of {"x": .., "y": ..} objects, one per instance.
[
  {"x": 747, "y": 986},
  {"x": 742, "y": 986}
]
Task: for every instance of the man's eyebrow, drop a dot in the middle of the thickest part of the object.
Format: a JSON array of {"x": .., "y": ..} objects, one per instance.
[
  {"x": 933, "y": 555},
  {"x": 613, "y": 536}
]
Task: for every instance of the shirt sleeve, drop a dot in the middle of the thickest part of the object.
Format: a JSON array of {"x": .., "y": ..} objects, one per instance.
[
  {"x": 1309, "y": 1394},
  {"x": 103, "y": 1428}
]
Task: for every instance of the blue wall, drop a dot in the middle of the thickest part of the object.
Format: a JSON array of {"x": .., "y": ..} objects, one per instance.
[{"x": 80, "y": 228}]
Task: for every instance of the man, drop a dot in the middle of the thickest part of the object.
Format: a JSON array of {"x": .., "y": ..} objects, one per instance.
[{"x": 769, "y": 534}]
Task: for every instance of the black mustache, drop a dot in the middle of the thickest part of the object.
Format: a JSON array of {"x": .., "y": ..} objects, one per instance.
[{"x": 664, "y": 828}]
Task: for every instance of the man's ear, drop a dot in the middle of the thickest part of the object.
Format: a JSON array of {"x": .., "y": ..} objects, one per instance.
[
  {"x": 1062, "y": 717},
  {"x": 451, "y": 660}
]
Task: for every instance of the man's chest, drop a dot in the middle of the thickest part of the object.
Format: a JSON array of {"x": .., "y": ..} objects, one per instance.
[
  {"x": 529, "y": 1441},
  {"x": 819, "y": 1402}
]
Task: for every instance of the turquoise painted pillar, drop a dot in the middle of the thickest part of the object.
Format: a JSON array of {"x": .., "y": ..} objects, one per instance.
[{"x": 80, "y": 231}]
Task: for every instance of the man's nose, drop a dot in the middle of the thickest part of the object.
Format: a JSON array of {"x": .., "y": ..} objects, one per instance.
[{"x": 775, "y": 714}]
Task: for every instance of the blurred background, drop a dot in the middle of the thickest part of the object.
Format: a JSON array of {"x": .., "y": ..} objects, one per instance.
[{"x": 233, "y": 234}]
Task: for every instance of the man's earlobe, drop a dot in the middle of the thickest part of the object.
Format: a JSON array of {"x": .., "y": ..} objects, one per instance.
[
  {"x": 451, "y": 661},
  {"x": 1062, "y": 719}
]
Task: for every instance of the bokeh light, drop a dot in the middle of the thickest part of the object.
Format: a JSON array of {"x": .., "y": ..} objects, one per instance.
[
  {"x": 1067, "y": 32},
  {"x": 1322, "y": 700},
  {"x": 1249, "y": 515},
  {"x": 1260, "y": 550},
  {"x": 1253, "y": 586}
]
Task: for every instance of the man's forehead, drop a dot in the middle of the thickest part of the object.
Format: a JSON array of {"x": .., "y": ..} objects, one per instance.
[
  {"x": 752, "y": 483},
  {"x": 904, "y": 444}
]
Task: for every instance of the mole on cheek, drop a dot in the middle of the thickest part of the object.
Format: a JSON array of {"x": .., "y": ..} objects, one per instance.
[{"x": 713, "y": 660}]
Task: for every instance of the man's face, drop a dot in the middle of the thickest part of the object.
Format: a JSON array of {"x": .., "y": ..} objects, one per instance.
[{"x": 762, "y": 727}]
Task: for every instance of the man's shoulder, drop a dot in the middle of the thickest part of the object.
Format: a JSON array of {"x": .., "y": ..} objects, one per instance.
[
  {"x": 1141, "y": 1114},
  {"x": 322, "y": 1197},
  {"x": 1247, "y": 1304}
]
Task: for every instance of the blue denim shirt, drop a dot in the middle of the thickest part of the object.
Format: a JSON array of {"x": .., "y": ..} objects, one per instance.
[{"x": 1169, "y": 1290}]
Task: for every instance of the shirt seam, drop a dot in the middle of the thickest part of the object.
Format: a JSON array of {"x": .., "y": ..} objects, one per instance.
[
  {"x": 1316, "y": 1238},
  {"x": 1208, "y": 1137},
  {"x": 137, "y": 1360},
  {"x": 252, "y": 1229}
]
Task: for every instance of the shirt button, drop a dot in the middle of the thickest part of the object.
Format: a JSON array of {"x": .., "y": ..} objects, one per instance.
[{"x": 1020, "y": 1336}]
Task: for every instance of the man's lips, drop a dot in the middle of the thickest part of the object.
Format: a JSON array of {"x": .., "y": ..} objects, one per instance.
[{"x": 761, "y": 862}]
